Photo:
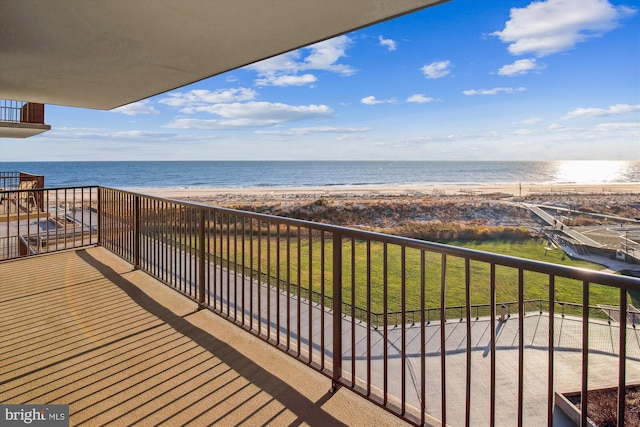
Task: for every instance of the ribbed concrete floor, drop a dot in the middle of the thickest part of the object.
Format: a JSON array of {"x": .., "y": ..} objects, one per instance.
[{"x": 81, "y": 328}]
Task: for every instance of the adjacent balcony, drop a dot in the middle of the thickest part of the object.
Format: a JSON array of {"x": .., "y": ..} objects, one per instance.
[
  {"x": 21, "y": 119},
  {"x": 432, "y": 334}
]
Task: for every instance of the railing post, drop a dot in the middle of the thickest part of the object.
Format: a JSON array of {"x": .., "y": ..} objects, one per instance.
[
  {"x": 100, "y": 213},
  {"x": 201, "y": 261},
  {"x": 136, "y": 232},
  {"x": 337, "y": 311}
]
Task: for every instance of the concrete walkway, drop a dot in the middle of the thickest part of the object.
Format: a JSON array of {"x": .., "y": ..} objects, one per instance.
[{"x": 81, "y": 328}]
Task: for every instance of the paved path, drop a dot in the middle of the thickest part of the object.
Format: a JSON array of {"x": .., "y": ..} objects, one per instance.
[{"x": 603, "y": 344}]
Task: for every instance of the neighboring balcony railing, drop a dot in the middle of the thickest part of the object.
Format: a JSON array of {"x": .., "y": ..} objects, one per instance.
[
  {"x": 12, "y": 180},
  {"x": 37, "y": 220},
  {"x": 364, "y": 308},
  {"x": 21, "y": 111}
]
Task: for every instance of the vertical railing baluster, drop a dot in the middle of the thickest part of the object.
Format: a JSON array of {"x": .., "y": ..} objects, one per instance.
[
  {"x": 251, "y": 272},
  {"x": 277, "y": 289},
  {"x": 236, "y": 304},
  {"x": 322, "y": 294},
  {"x": 622, "y": 356},
  {"x": 403, "y": 323},
  {"x": 368, "y": 317},
  {"x": 353, "y": 312},
  {"x": 288, "y": 300},
  {"x": 443, "y": 343},
  {"x": 551, "y": 344},
  {"x": 423, "y": 338},
  {"x": 268, "y": 290},
  {"x": 243, "y": 274},
  {"x": 259, "y": 267},
  {"x": 299, "y": 294},
  {"x": 228, "y": 258},
  {"x": 585, "y": 354},
  {"x": 136, "y": 233},
  {"x": 337, "y": 311},
  {"x": 467, "y": 292},
  {"x": 385, "y": 324},
  {"x": 310, "y": 295},
  {"x": 520, "y": 346},
  {"x": 492, "y": 308},
  {"x": 201, "y": 260}
]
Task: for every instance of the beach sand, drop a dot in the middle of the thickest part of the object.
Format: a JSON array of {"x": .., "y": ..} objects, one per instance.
[{"x": 372, "y": 192}]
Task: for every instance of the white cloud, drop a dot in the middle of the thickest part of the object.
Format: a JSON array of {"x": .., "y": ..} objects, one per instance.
[
  {"x": 286, "y": 80},
  {"x": 420, "y": 98},
  {"x": 199, "y": 97},
  {"x": 388, "y": 43},
  {"x": 283, "y": 69},
  {"x": 436, "y": 70},
  {"x": 614, "y": 110},
  {"x": 372, "y": 100},
  {"x": 606, "y": 127},
  {"x": 309, "y": 130},
  {"x": 137, "y": 108},
  {"x": 493, "y": 91},
  {"x": 546, "y": 27},
  {"x": 87, "y": 134},
  {"x": 350, "y": 137},
  {"x": 519, "y": 67},
  {"x": 251, "y": 114},
  {"x": 532, "y": 121}
]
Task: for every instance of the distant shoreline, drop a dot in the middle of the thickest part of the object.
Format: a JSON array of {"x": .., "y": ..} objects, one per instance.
[{"x": 515, "y": 190}]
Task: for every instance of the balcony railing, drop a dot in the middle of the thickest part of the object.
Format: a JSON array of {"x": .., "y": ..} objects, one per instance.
[
  {"x": 364, "y": 308},
  {"x": 12, "y": 180},
  {"x": 37, "y": 220},
  {"x": 21, "y": 112}
]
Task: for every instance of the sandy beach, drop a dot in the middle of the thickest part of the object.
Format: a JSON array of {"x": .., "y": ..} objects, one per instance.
[{"x": 275, "y": 193}]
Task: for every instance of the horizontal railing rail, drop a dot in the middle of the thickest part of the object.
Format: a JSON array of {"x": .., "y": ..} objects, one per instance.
[
  {"x": 46, "y": 220},
  {"x": 312, "y": 289}
]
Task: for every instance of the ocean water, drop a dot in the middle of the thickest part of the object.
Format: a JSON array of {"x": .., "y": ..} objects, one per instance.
[{"x": 194, "y": 174}]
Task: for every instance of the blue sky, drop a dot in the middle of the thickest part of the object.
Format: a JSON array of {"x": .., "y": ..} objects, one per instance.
[{"x": 465, "y": 80}]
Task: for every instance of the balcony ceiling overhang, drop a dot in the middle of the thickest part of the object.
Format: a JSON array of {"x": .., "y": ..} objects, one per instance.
[
  {"x": 104, "y": 54},
  {"x": 21, "y": 130}
]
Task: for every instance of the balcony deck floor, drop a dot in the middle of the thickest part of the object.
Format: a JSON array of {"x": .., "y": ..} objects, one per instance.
[{"x": 82, "y": 328}]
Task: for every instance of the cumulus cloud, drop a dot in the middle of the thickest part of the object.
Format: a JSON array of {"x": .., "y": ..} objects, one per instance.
[
  {"x": 532, "y": 121},
  {"x": 286, "y": 80},
  {"x": 251, "y": 114},
  {"x": 312, "y": 129},
  {"x": 137, "y": 108},
  {"x": 614, "y": 110},
  {"x": 420, "y": 98},
  {"x": 283, "y": 69},
  {"x": 519, "y": 67},
  {"x": 372, "y": 100},
  {"x": 436, "y": 70},
  {"x": 493, "y": 91},
  {"x": 388, "y": 43},
  {"x": 200, "y": 97},
  {"x": 546, "y": 27},
  {"x": 607, "y": 127}
]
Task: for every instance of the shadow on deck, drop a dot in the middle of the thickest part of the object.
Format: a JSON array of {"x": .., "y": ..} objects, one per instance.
[{"x": 83, "y": 328}]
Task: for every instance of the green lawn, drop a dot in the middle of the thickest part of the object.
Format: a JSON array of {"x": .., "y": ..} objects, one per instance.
[{"x": 289, "y": 262}]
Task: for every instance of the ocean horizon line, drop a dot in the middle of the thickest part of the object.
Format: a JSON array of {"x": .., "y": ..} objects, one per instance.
[{"x": 284, "y": 174}]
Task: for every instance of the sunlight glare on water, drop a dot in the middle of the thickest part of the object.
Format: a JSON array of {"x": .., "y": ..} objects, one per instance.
[{"x": 590, "y": 171}]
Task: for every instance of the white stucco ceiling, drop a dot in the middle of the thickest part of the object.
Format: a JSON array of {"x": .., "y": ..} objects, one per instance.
[{"x": 104, "y": 54}]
